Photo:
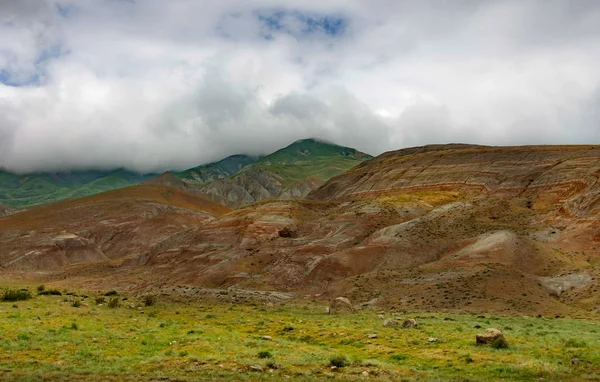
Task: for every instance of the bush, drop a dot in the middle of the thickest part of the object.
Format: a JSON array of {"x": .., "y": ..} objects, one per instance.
[
  {"x": 75, "y": 303},
  {"x": 48, "y": 292},
  {"x": 16, "y": 295},
  {"x": 339, "y": 361},
  {"x": 398, "y": 357},
  {"x": 573, "y": 343},
  {"x": 264, "y": 354},
  {"x": 500, "y": 343},
  {"x": 100, "y": 300},
  {"x": 149, "y": 300},
  {"x": 114, "y": 303},
  {"x": 111, "y": 293},
  {"x": 41, "y": 288}
]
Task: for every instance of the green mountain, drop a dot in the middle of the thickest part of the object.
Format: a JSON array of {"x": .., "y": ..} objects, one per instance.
[
  {"x": 237, "y": 180},
  {"x": 289, "y": 173},
  {"x": 217, "y": 170},
  {"x": 17, "y": 190}
]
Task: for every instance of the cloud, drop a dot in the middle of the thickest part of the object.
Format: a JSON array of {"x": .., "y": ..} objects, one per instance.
[{"x": 160, "y": 85}]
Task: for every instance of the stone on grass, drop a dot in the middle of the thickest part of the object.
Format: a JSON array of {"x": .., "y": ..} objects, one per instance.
[
  {"x": 390, "y": 322},
  {"x": 340, "y": 305},
  {"x": 410, "y": 323},
  {"x": 489, "y": 336}
]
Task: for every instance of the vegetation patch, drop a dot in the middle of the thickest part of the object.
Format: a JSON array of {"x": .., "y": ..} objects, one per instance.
[
  {"x": 247, "y": 342},
  {"x": 16, "y": 295}
]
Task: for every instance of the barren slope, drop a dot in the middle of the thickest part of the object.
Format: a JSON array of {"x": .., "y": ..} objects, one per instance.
[
  {"x": 454, "y": 227},
  {"x": 111, "y": 225}
]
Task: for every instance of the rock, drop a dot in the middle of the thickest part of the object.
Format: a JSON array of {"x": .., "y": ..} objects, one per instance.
[
  {"x": 267, "y": 338},
  {"x": 575, "y": 361},
  {"x": 557, "y": 285},
  {"x": 380, "y": 317},
  {"x": 410, "y": 323},
  {"x": 340, "y": 305},
  {"x": 489, "y": 336},
  {"x": 390, "y": 322},
  {"x": 432, "y": 339},
  {"x": 373, "y": 335},
  {"x": 365, "y": 373},
  {"x": 256, "y": 368}
]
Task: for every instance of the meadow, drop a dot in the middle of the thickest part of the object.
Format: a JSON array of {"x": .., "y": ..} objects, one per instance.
[{"x": 110, "y": 336}]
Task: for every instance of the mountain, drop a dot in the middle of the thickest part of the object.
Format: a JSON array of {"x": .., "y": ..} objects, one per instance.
[
  {"x": 289, "y": 173},
  {"x": 216, "y": 170},
  {"x": 432, "y": 228},
  {"x": 38, "y": 188}
]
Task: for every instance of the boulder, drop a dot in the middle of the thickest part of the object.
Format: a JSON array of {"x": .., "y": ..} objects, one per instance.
[
  {"x": 390, "y": 322},
  {"x": 340, "y": 305},
  {"x": 410, "y": 323},
  {"x": 489, "y": 336}
]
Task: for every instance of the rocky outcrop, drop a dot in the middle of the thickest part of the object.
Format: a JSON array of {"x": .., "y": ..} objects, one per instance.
[
  {"x": 5, "y": 211},
  {"x": 556, "y": 286},
  {"x": 256, "y": 185}
]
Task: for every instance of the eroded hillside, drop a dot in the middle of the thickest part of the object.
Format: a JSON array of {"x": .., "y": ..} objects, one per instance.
[{"x": 454, "y": 227}]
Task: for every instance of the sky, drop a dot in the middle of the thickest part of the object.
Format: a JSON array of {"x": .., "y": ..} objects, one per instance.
[{"x": 151, "y": 85}]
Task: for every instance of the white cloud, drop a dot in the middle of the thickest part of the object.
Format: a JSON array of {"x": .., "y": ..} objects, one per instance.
[{"x": 154, "y": 85}]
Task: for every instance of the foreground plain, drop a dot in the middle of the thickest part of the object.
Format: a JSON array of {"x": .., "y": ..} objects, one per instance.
[{"x": 72, "y": 337}]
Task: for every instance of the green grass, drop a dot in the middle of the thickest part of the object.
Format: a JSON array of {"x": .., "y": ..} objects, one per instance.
[
  {"x": 46, "y": 337},
  {"x": 24, "y": 190}
]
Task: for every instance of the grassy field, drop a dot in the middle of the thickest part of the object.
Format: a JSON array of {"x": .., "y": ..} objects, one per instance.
[{"x": 73, "y": 337}]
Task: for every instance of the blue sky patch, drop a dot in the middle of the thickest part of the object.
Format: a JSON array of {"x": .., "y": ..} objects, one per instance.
[
  {"x": 301, "y": 24},
  {"x": 31, "y": 79}
]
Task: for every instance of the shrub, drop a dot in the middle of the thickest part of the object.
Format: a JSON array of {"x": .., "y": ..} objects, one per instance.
[
  {"x": 75, "y": 303},
  {"x": 500, "y": 343},
  {"x": 41, "y": 288},
  {"x": 264, "y": 354},
  {"x": 111, "y": 293},
  {"x": 114, "y": 303},
  {"x": 573, "y": 343},
  {"x": 288, "y": 328},
  {"x": 339, "y": 361},
  {"x": 48, "y": 292},
  {"x": 16, "y": 295},
  {"x": 74, "y": 326},
  {"x": 398, "y": 357},
  {"x": 100, "y": 300},
  {"x": 149, "y": 300}
]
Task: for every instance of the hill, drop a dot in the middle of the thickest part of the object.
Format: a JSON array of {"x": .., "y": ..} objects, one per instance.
[
  {"x": 289, "y": 173},
  {"x": 217, "y": 170},
  {"x": 434, "y": 228},
  {"x": 99, "y": 228},
  {"x": 28, "y": 189}
]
